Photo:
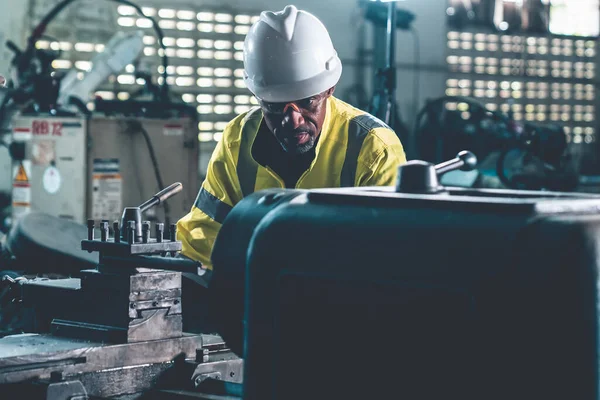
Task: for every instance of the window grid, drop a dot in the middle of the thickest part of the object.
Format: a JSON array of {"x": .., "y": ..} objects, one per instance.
[
  {"x": 539, "y": 79},
  {"x": 204, "y": 47}
]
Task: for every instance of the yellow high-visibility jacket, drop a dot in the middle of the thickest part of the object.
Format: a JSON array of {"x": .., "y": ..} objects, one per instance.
[{"x": 354, "y": 149}]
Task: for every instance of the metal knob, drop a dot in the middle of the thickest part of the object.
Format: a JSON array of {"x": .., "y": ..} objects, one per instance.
[
  {"x": 145, "y": 231},
  {"x": 90, "y": 226},
  {"x": 116, "y": 232},
  {"x": 160, "y": 228},
  {"x": 104, "y": 230},
  {"x": 173, "y": 233}
]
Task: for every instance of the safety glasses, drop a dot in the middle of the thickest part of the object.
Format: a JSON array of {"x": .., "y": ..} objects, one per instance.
[{"x": 309, "y": 104}]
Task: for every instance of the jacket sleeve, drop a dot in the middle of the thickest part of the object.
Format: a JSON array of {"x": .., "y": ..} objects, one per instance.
[
  {"x": 220, "y": 191},
  {"x": 386, "y": 154}
]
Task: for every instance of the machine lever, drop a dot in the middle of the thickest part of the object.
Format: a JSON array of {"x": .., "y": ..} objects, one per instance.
[
  {"x": 162, "y": 196},
  {"x": 465, "y": 161},
  {"x": 418, "y": 176},
  {"x": 135, "y": 213}
]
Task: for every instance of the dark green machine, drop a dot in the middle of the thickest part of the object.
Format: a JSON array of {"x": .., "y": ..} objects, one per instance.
[{"x": 417, "y": 292}]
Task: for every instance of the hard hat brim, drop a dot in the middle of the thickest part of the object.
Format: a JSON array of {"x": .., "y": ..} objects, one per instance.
[{"x": 296, "y": 90}]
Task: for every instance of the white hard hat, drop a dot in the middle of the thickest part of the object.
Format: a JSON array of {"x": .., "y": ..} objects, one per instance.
[{"x": 288, "y": 56}]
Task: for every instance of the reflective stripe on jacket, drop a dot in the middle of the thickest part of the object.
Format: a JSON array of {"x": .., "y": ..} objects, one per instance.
[{"x": 354, "y": 149}]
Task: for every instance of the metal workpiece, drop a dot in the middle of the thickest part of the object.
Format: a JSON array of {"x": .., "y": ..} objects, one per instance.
[
  {"x": 172, "y": 305},
  {"x": 228, "y": 371},
  {"x": 136, "y": 280},
  {"x": 71, "y": 390},
  {"x": 140, "y": 286},
  {"x": 179, "y": 264},
  {"x": 105, "y": 370},
  {"x": 124, "y": 248},
  {"x": 118, "y": 329},
  {"x": 136, "y": 304},
  {"x": 53, "y": 389},
  {"x": 36, "y": 357},
  {"x": 147, "y": 325},
  {"x": 214, "y": 349}
]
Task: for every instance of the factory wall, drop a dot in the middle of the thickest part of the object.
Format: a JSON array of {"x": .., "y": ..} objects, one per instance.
[{"x": 342, "y": 18}]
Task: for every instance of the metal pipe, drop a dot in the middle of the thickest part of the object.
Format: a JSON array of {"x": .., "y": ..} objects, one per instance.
[
  {"x": 391, "y": 35},
  {"x": 390, "y": 64}
]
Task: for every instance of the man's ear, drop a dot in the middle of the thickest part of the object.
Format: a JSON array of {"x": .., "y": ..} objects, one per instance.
[{"x": 330, "y": 91}]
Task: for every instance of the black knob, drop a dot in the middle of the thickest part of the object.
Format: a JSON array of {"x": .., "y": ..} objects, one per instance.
[
  {"x": 173, "y": 232},
  {"x": 90, "y": 226},
  {"x": 160, "y": 228},
  {"x": 417, "y": 177},
  {"x": 145, "y": 231},
  {"x": 104, "y": 230},
  {"x": 116, "y": 232}
]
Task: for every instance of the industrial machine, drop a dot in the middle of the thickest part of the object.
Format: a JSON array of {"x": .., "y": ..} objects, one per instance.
[
  {"x": 75, "y": 168},
  {"x": 419, "y": 291},
  {"x": 75, "y": 164},
  {"x": 519, "y": 155},
  {"x": 117, "y": 330}
]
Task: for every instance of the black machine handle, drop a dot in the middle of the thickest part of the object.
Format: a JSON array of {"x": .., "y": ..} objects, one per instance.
[
  {"x": 161, "y": 196},
  {"x": 465, "y": 161},
  {"x": 418, "y": 176}
]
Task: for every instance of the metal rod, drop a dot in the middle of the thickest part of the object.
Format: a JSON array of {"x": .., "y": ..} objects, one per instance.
[
  {"x": 390, "y": 63},
  {"x": 390, "y": 59},
  {"x": 449, "y": 165},
  {"x": 162, "y": 196}
]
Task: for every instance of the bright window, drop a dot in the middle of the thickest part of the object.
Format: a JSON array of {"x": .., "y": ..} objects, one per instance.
[{"x": 575, "y": 17}]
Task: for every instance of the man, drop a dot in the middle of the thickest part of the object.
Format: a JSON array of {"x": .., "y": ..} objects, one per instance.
[{"x": 299, "y": 137}]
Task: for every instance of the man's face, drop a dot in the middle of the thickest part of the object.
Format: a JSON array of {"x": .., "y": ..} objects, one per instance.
[{"x": 296, "y": 125}]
